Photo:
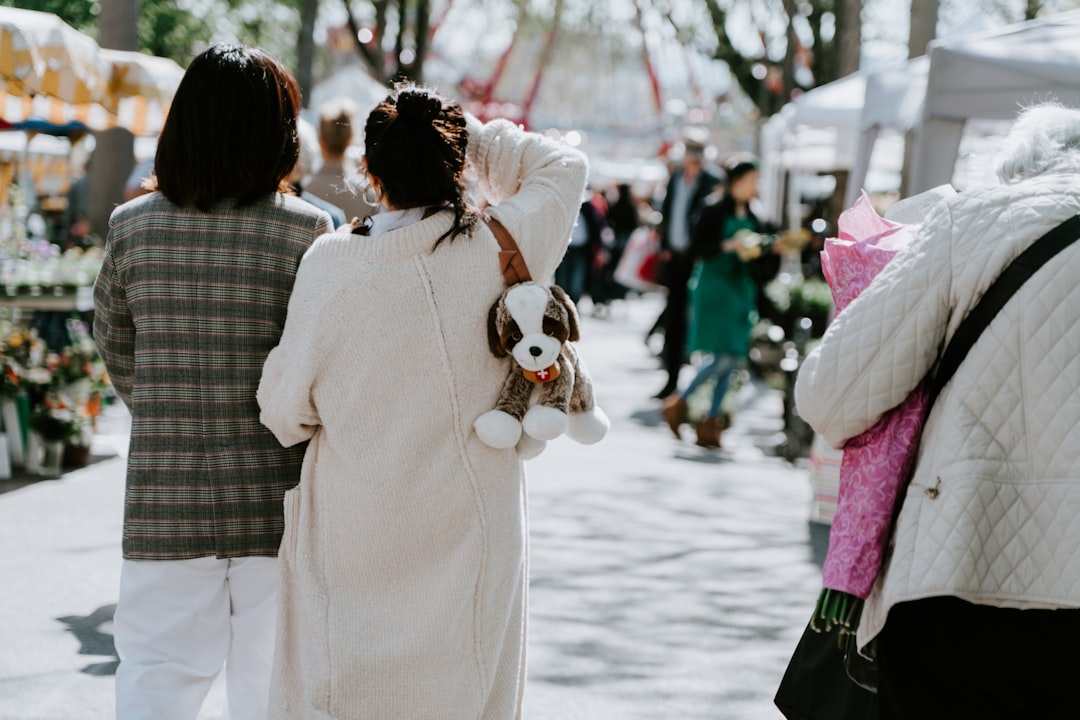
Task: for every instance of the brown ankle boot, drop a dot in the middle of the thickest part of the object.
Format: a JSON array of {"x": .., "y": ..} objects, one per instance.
[
  {"x": 708, "y": 432},
  {"x": 674, "y": 413}
]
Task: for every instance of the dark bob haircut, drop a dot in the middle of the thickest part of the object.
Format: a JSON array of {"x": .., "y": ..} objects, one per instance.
[{"x": 231, "y": 129}]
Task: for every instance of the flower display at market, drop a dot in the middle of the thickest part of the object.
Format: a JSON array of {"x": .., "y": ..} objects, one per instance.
[
  {"x": 31, "y": 265},
  {"x": 52, "y": 380},
  {"x": 58, "y": 424},
  {"x": 64, "y": 388},
  {"x": 20, "y": 352},
  {"x": 44, "y": 269}
]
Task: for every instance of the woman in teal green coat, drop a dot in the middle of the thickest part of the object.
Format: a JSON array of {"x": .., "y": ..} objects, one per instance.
[{"x": 723, "y": 296}]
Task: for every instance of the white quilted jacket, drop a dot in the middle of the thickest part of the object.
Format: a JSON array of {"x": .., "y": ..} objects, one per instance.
[{"x": 993, "y": 511}]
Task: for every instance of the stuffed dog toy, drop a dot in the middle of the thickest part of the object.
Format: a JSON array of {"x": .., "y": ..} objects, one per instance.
[{"x": 547, "y": 392}]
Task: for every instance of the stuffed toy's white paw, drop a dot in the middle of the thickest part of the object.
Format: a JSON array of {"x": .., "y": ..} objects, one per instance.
[
  {"x": 529, "y": 447},
  {"x": 544, "y": 423},
  {"x": 589, "y": 427},
  {"x": 498, "y": 429}
]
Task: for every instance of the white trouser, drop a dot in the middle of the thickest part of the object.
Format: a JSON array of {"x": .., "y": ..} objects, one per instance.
[{"x": 178, "y": 622}]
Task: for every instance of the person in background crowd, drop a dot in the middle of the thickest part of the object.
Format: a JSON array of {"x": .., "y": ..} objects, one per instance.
[
  {"x": 137, "y": 181},
  {"x": 77, "y": 210},
  {"x": 575, "y": 271},
  {"x": 723, "y": 293},
  {"x": 687, "y": 189},
  {"x": 405, "y": 563},
  {"x": 309, "y": 153},
  {"x": 597, "y": 287},
  {"x": 977, "y": 607},
  {"x": 189, "y": 301},
  {"x": 335, "y": 178},
  {"x": 623, "y": 219}
]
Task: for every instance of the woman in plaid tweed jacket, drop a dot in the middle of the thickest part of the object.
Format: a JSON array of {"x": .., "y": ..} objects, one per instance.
[{"x": 191, "y": 298}]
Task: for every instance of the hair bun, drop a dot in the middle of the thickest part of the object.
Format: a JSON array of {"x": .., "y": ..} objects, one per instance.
[{"x": 418, "y": 107}]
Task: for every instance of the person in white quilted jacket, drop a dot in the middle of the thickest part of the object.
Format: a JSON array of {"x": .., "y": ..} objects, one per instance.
[{"x": 975, "y": 611}]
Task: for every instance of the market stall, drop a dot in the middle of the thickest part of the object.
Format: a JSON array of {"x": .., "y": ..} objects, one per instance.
[
  {"x": 57, "y": 87},
  {"x": 990, "y": 76},
  {"x": 53, "y": 381}
]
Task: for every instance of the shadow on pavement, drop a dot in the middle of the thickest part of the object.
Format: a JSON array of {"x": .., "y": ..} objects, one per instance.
[
  {"x": 20, "y": 479},
  {"x": 92, "y": 640},
  {"x": 705, "y": 457},
  {"x": 647, "y": 417}
]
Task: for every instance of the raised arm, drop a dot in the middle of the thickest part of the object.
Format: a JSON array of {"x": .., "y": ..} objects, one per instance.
[{"x": 534, "y": 185}]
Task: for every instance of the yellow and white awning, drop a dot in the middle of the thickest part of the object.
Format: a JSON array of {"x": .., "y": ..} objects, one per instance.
[
  {"x": 54, "y": 74},
  {"x": 41, "y": 54},
  {"x": 135, "y": 74},
  {"x": 136, "y": 114}
]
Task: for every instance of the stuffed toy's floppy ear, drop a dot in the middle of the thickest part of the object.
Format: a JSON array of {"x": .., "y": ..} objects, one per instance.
[
  {"x": 572, "y": 321},
  {"x": 494, "y": 336}
]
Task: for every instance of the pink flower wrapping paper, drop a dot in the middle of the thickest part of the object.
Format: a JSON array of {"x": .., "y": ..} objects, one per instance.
[{"x": 876, "y": 463}]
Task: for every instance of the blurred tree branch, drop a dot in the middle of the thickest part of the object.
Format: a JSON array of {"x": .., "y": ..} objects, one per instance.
[{"x": 410, "y": 20}]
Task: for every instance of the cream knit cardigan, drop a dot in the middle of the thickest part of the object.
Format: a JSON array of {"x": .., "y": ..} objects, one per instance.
[{"x": 404, "y": 565}]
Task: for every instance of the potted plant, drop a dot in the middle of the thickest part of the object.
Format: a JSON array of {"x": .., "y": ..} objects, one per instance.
[{"x": 51, "y": 428}]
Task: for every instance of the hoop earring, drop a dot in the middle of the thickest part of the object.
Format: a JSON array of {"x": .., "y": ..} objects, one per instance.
[{"x": 371, "y": 195}]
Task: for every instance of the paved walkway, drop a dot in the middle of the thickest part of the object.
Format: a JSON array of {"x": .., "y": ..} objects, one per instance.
[{"x": 667, "y": 581}]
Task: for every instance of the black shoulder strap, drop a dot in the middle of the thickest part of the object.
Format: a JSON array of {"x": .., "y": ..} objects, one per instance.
[{"x": 1008, "y": 282}]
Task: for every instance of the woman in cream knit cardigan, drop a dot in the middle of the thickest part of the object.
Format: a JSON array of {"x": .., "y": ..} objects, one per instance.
[{"x": 404, "y": 556}]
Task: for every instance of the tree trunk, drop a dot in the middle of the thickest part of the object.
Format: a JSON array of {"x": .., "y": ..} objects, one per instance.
[
  {"x": 114, "y": 150},
  {"x": 848, "y": 36},
  {"x": 371, "y": 57},
  {"x": 924, "y": 16},
  {"x": 792, "y": 47},
  {"x": 423, "y": 25},
  {"x": 923, "y": 29},
  {"x": 305, "y": 47},
  {"x": 399, "y": 39}
]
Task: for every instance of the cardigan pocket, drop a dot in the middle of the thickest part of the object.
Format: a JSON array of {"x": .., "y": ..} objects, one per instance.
[{"x": 292, "y": 507}]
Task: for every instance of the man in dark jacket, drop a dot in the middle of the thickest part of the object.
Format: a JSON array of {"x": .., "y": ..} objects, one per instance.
[{"x": 687, "y": 189}]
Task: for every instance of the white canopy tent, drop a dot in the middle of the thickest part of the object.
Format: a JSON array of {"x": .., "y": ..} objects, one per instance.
[
  {"x": 816, "y": 133},
  {"x": 991, "y": 76},
  {"x": 893, "y": 101},
  {"x": 349, "y": 80},
  {"x": 808, "y": 135}
]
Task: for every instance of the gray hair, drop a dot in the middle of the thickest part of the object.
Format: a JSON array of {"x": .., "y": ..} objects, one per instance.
[{"x": 1044, "y": 139}]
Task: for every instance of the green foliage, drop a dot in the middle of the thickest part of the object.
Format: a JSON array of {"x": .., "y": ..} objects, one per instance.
[
  {"x": 80, "y": 14},
  {"x": 170, "y": 32},
  {"x": 56, "y": 424},
  {"x": 811, "y": 296},
  {"x": 170, "y": 29},
  {"x": 803, "y": 298}
]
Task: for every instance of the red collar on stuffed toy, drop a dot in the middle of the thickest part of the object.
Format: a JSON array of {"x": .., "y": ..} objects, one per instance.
[{"x": 541, "y": 376}]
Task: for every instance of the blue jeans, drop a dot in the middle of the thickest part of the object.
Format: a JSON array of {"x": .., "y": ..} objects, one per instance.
[
  {"x": 719, "y": 366},
  {"x": 572, "y": 275}
]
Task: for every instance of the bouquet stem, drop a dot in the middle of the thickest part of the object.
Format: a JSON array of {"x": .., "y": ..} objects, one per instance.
[{"x": 835, "y": 608}]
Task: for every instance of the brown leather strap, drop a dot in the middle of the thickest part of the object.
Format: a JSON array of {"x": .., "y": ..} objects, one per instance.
[{"x": 511, "y": 261}]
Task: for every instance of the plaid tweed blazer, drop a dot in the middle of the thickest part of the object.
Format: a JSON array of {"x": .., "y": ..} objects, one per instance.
[{"x": 187, "y": 306}]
